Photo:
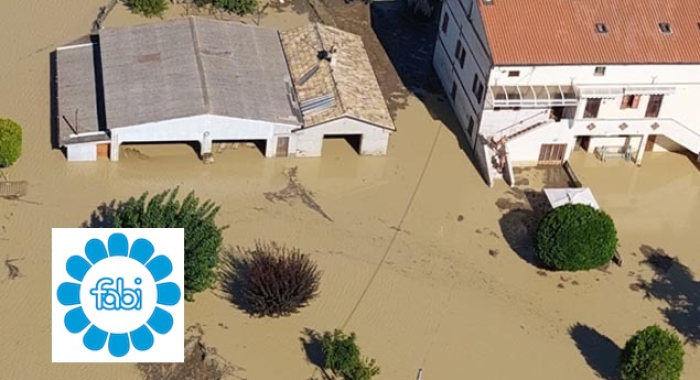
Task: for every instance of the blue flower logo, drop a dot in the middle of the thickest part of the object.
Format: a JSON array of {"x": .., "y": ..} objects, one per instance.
[{"x": 119, "y": 295}]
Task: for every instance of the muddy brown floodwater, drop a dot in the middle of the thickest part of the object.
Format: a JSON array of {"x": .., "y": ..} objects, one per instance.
[{"x": 415, "y": 259}]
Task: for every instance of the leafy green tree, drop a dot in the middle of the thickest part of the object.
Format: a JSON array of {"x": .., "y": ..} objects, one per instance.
[
  {"x": 10, "y": 142},
  {"x": 203, "y": 237},
  {"x": 342, "y": 356},
  {"x": 576, "y": 237},
  {"x": 148, "y": 8},
  {"x": 652, "y": 354}
]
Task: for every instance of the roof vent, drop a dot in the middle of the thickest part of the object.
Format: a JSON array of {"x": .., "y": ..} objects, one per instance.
[
  {"x": 665, "y": 27},
  {"x": 488, "y": 2},
  {"x": 601, "y": 28}
]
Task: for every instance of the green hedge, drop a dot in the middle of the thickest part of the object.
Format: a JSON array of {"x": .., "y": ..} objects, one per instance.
[
  {"x": 652, "y": 353},
  {"x": 576, "y": 237},
  {"x": 10, "y": 142}
]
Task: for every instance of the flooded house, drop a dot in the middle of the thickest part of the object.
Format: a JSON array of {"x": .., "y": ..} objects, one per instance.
[
  {"x": 208, "y": 81},
  {"x": 530, "y": 81}
]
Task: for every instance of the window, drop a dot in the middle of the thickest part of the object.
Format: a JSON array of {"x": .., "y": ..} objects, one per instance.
[
  {"x": 475, "y": 83},
  {"x": 654, "y": 106},
  {"x": 665, "y": 27},
  {"x": 514, "y": 73},
  {"x": 445, "y": 22},
  {"x": 460, "y": 53},
  {"x": 470, "y": 128},
  {"x": 601, "y": 28},
  {"x": 592, "y": 108},
  {"x": 630, "y": 101},
  {"x": 453, "y": 92},
  {"x": 480, "y": 93},
  {"x": 599, "y": 71}
]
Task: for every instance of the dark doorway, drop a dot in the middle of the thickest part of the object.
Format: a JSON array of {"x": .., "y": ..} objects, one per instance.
[
  {"x": 219, "y": 146},
  {"x": 355, "y": 141},
  {"x": 551, "y": 154},
  {"x": 158, "y": 149},
  {"x": 651, "y": 141},
  {"x": 282, "y": 147},
  {"x": 584, "y": 142}
]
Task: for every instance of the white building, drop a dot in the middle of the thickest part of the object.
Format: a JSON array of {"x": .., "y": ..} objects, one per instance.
[
  {"x": 210, "y": 81},
  {"x": 529, "y": 80}
]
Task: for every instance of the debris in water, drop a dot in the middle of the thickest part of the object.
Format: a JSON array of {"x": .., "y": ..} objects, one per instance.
[
  {"x": 460, "y": 218},
  {"x": 560, "y": 286},
  {"x": 635, "y": 287},
  {"x": 12, "y": 268},
  {"x": 296, "y": 190},
  {"x": 542, "y": 273},
  {"x": 493, "y": 252},
  {"x": 574, "y": 282}
]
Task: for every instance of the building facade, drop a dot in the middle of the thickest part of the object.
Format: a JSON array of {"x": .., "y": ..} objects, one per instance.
[
  {"x": 192, "y": 80},
  {"x": 529, "y": 84}
]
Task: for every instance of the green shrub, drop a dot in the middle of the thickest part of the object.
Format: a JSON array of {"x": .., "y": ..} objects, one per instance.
[
  {"x": 10, "y": 142},
  {"x": 342, "y": 356},
  {"x": 576, "y": 237},
  {"x": 239, "y": 7},
  {"x": 652, "y": 354},
  {"x": 148, "y": 8},
  {"x": 203, "y": 237}
]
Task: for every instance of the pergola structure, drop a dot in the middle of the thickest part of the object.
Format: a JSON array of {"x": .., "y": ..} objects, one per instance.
[{"x": 532, "y": 96}]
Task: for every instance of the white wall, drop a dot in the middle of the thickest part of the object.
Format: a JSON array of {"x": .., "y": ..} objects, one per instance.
[
  {"x": 465, "y": 26},
  {"x": 309, "y": 141},
  {"x": 193, "y": 129},
  {"x": 81, "y": 152}
]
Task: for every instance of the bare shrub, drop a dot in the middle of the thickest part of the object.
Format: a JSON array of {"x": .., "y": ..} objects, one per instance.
[{"x": 271, "y": 280}]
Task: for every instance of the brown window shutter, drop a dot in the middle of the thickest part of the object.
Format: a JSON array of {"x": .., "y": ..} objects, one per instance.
[
  {"x": 635, "y": 101},
  {"x": 625, "y": 102}
]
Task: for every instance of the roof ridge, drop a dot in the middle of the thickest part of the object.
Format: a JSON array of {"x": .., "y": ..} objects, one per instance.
[
  {"x": 335, "y": 82},
  {"x": 200, "y": 66}
]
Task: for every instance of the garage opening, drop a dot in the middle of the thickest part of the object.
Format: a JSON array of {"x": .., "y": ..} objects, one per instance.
[
  {"x": 229, "y": 146},
  {"x": 155, "y": 150},
  {"x": 339, "y": 143}
]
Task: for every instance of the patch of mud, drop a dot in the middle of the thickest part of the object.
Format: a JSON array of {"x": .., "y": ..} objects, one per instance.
[
  {"x": 296, "y": 191},
  {"x": 135, "y": 153},
  {"x": 201, "y": 363}
]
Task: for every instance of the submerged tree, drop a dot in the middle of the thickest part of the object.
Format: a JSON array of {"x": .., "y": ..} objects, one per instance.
[
  {"x": 10, "y": 142},
  {"x": 148, "y": 8},
  {"x": 239, "y": 7},
  {"x": 342, "y": 356},
  {"x": 273, "y": 280},
  {"x": 203, "y": 237},
  {"x": 652, "y": 353},
  {"x": 576, "y": 237}
]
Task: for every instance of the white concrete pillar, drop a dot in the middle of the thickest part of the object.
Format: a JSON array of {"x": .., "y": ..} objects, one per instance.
[
  {"x": 270, "y": 146},
  {"x": 114, "y": 148},
  {"x": 205, "y": 144},
  {"x": 640, "y": 151}
]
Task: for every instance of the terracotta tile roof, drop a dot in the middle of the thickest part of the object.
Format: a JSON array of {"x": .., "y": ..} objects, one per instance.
[
  {"x": 564, "y": 31},
  {"x": 351, "y": 82}
]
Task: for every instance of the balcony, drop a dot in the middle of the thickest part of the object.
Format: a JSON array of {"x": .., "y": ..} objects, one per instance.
[
  {"x": 531, "y": 96},
  {"x": 671, "y": 128}
]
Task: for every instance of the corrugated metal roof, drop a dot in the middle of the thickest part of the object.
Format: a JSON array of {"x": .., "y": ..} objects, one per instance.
[
  {"x": 524, "y": 32},
  {"x": 194, "y": 66},
  {"x": 75, "y": 86}
]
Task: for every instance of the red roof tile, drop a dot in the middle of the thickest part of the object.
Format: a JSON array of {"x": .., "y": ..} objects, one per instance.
[{"x": 523, "y": 32}]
